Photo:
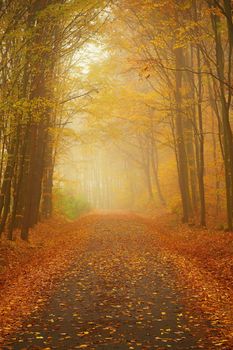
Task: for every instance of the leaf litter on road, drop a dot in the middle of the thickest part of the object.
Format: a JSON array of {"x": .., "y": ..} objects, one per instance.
[{"x": 118, "y": 294}]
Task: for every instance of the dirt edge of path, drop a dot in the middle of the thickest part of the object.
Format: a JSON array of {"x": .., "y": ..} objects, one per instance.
[
  {"x": 32, "y": 270},
  {"x": 202, "y": 262}
]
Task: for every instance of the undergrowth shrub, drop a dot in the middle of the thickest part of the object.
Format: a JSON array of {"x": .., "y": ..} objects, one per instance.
[{"x": 69, "y": 205}]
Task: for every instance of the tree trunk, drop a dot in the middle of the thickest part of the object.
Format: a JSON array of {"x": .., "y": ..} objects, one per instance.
[
  {"x": 225, "y": 106},
  {"x": 201, "y": 145},
  {"x": 180, "y": 141}
]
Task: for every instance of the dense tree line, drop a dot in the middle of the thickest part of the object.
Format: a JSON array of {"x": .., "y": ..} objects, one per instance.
[
  {"x": 181, "y": 50},
  {"x": 174, "y": 74},
  {"x": 38, "y": 38}
]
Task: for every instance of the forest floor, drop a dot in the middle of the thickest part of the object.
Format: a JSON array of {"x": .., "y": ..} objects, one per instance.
[{"x": 117, "y": 281}]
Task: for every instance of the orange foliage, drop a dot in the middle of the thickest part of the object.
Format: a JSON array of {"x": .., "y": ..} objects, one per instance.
[
  {"x": 202, "y": 261},
  {"x": 199, "y": 262},
  {"x": 32, "y": 270}
]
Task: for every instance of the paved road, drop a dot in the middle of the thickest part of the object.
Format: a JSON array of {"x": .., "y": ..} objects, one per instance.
[{"x": 118, "y": 295}]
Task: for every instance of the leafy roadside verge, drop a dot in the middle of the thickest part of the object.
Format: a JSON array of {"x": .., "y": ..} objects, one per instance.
[
  {"x": 203, "y": 263},
  {"x": 29, "y": 272},
  {"x": 201, "y": 260}
]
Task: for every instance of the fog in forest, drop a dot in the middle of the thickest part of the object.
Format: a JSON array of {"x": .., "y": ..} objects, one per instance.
[
  {"x": 111, "y": 156},
  {"x": 116, "y": 105},
  {"x": 116, "y": 174}
]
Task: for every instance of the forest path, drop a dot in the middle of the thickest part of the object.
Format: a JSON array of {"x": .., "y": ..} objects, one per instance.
[{"x": 117, "y": 295}]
